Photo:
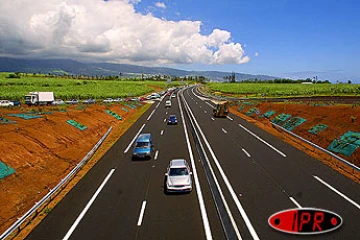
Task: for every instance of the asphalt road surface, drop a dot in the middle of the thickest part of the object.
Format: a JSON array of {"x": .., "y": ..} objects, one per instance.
[{"x": 241, "y": 176}]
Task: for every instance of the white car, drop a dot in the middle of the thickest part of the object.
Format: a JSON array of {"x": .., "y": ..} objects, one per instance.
[
  {"x": 168, "y": 103},
  {"x": 6, "y": 103},
  {"x": 58, "y": 102},
  {"x": 178, "y": 176},
  {"x": 108, "y": 100},
  {"x": 117, "y": 100}
]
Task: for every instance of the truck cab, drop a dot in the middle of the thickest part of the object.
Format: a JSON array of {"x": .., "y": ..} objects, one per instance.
[{"x": 221, "y": 109}]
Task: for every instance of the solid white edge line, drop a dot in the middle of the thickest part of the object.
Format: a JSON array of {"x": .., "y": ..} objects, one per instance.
[
  {"x": 162, "y": 132},
  {"x": 142, "y": 211},
  {"x": 133, "y": 140},
  {"x": 229, "y": 118},
  {"x": 204, "y": 216},
  {"x": 247, "y": 154},
  {"x": 224, "y": 130},
  {"x": 232, "y": 220},
  {"x": 337, "y": 191},
  {"x": 88, "y": 205},
  {"x": 156, "y": 154},
  {"x": 228, "y": 184},
  {"x": 153, "y": 111},
  {"x": 210, "y": 105},
  {"x": 263, "y": 141},
  {"x": 295, "y": 202}
]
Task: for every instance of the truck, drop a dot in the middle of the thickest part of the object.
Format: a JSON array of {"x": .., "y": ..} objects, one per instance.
[
  {"x": 39, "y": 98},
  {"x": 221, "y": 109}
]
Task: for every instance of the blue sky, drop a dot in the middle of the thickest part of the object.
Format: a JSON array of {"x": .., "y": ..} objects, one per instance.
[
  {"x": 283, "y": 38},
  {"x": 292, "y": 38}
]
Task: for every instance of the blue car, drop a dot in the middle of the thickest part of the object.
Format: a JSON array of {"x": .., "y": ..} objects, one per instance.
[
  {"x": 172, "y": 120},
  {"x": 143, "y": 147}
]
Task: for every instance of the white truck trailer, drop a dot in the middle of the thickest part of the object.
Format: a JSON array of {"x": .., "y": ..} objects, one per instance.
[{"x": 39, "y": 98}]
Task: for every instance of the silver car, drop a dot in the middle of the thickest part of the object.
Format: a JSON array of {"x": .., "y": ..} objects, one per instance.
[{"x": 178, "y": 176}]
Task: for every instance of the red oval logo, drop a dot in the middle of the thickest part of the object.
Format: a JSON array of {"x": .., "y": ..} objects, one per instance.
[{"x": 305, "y": 221}]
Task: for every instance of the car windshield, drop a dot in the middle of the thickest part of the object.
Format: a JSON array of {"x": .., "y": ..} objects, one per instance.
[
  {"x": 172, "y": 118},
  {"x": 142, "y": 144},
  {"x": 178, "y": 172}
]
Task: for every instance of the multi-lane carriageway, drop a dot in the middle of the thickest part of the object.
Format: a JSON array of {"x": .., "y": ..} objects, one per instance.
[{"x": 241, "y": 175}]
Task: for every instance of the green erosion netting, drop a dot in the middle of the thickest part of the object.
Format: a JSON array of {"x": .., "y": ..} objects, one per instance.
[
  {"x": 131, "y": 106},
  {"x": 293, "y": 122},
  {"x": 138, "y": 103},
  {"x": 76, "y": 124},
  {"x": 241, "y": 107},
  {"x": 5, "y": 170},
  {"x": 252, "y": 111},
  {"x": 347, "y": 144},
  {"x": 6, "y": 121},
  {"x": 24, "y": 116},
  {"x": 318, "y": 128},
  {"x": 249, "y": 103},
  {"x": 115, "y": 115},
  {"x": 125, "y": 109},
  {"x": 268, "y": 114},
  {"x": 39, "y": 113},
  {"x": 280, "y": 119}
]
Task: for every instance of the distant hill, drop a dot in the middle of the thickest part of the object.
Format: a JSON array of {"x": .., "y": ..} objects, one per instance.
[{"x": 61, "y": 66}]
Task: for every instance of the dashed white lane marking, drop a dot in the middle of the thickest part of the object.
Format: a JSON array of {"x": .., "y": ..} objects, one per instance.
[
  {"x": 213, "y": 119},
  {"x": 162, "y": 132},
  {"x": 338, "y": 192},
  {"x": 295, "y": 202},
  {"x": 156, "y": 154},
  {"x": 229, "y": 118},
  {"x": 247, "y": 154},
  {"x": 205, "y": 111},
  {"x": 87, "y": 207},
  {"x": 165, "y": 120},
  {"x": 132, "y": 141},
  {"x": 261, "y": 140},
  {"x": 224, "y": 130},
  {"x": 142, "y": 211}
]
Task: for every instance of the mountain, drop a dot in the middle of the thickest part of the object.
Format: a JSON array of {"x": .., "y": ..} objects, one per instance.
[{"x": 66, "y": 66}]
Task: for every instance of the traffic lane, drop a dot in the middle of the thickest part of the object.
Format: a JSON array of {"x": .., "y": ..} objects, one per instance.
[
  {"x": 248, "y": 182},
  {"x": 119, "y": 202},
  {"x": 62, "y": 216},
  {"x": 299, "y": 183}
]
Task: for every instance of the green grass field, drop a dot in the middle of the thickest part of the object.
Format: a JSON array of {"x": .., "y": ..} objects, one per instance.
[
  {"x": 285, "y": 90},
  {"x": 13, "y": 88}
]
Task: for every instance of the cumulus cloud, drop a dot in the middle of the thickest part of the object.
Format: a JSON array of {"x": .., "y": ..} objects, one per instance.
[
  {"x": 97, "y": 30},
  {"x": 160, "y": 5}
]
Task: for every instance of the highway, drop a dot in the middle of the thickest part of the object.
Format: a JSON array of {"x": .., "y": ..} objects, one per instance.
[{"x": 241, "y": 176}]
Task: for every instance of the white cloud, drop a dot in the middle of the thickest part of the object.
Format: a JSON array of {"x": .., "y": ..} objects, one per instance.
[
  {"x": 256, "y": 54},
  {"x": 113, "y": 31},
  {"x": 160, "y": 5}
]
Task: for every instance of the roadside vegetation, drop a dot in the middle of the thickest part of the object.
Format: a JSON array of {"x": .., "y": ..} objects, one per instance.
[
  {"x": 284, "y": 89},
  {"x": 16, "y": 88}
]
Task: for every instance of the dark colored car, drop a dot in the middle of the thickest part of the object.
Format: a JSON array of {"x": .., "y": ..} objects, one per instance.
[
  {"x": 16, "y": 102},
  {"x": 172, "y": 120}
]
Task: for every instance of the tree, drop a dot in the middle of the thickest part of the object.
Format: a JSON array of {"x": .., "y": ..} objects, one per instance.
[{"x": 349, "y": 81}]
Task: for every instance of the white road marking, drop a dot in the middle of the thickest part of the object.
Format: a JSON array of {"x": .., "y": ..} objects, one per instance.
[
  {"x": 82, "y": 214},
  {"x": 229, "y": 118},
  {"x": 166, "y": 113},
  {"x": 295, "y": 202},
  {"x": 338, "y": 192},
  {"x": 142, "y": 211},
  {"x": 227, "y": 182},
  {"x": 157, "y": 105},
  {"x": 200, "y": 198},
  {"x": 200, "y": 107},
  {"x": 213, "y": 119},
  {"x": 210, "y": 105},
  {"x": 205, "y": 111},
  {"x": 224, "y": 130},
  {"x": 162, "y": 132},
  {"x": 165, "y": 120},
  {"x": 150, "y": 115},
  {"x": 132, "y": 141},
  {"x": 261, "y": 140},
  {"x": 156, "y": 154},
  {"x": 247, "y": 154}
]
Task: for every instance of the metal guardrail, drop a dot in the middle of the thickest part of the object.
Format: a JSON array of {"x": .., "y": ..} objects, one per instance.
[
  {"x": 353, "y": 166},
  {"x": 48, "y": 196}
]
